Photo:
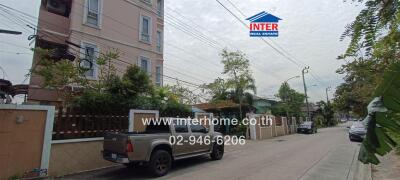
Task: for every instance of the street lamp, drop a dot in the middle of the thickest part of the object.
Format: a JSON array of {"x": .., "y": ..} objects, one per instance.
[
  {"x": 287, "y": 95},
  {"x": 291, "y": 78},
  {"x": 304, "y": 71}
]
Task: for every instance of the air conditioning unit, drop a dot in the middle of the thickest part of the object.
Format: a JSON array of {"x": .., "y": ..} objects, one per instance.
[{"x": 57, "y": 6}]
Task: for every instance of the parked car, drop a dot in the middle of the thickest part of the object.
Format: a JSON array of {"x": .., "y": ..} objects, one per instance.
[
  {"x": 357, "y": 131},
  {"x": 307, "y": 127},
  {"x": 154, "y": 148}
]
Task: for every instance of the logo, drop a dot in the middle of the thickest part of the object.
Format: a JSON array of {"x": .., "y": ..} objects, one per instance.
[{"x": 264, "y": 24}]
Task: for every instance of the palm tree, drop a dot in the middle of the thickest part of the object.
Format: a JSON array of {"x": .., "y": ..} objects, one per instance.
[{"x": 242, "y": 86}]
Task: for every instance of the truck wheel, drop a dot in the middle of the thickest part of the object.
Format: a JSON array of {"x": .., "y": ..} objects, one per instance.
[
  {"x": 217, "y": 152},
  {"x": 160, "y": 163}
]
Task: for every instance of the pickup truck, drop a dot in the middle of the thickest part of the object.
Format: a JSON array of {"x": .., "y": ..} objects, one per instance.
[{"x": 154, "y": 148}]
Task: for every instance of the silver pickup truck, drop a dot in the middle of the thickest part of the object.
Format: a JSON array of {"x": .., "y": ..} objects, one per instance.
[{"x": 161, "y": 144}]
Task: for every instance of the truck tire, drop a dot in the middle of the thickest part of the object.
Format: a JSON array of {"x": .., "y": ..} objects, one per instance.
[
  {"x": 160, "y": 163},
  {"x": 217, "y": 152}
]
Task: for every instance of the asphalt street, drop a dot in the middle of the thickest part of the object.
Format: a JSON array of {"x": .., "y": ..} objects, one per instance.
[{"x": 326, "y": 155}]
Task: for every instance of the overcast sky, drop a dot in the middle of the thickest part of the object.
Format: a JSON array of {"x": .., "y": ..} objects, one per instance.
[{"x": 309, "y": 32}]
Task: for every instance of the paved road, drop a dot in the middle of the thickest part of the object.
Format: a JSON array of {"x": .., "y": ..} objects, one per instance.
[{"x": 325, "y": 155}]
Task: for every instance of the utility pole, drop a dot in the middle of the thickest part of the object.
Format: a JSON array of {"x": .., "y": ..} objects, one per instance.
[
  {"x": 305, "y": 70},
  {"x": 327, "y": 97}
]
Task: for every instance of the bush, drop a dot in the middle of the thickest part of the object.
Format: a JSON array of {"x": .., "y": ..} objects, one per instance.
[{"x": 133, "y": 91}]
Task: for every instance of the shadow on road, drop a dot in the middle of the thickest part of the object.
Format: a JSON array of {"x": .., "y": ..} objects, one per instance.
[{"x": 138, "y": 172}]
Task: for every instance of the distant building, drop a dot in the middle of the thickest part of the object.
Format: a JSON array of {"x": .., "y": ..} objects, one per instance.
[
  {"x": 263, "y": 105},
  {"x": 313, "y": 109},
  {"x": 84, "y": 28},
  {"x": 225, "y": 109}
]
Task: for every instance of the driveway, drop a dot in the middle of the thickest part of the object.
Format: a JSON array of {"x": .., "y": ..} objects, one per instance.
[{"x": 326, "y": 155}]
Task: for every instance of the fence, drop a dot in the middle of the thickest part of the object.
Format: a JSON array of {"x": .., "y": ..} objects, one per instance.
[
  {"x": 74, "y": 124},
  {"x": 269, "y": 126}
]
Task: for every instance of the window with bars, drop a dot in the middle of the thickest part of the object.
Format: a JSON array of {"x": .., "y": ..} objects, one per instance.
[
  {"x": 145, "y": 29},
  {"x": 144, "y": 64},
  {"x": 88, "y": 61},
  {"x": 93, "y": 12},
  {"x": 159, "y": 41},
  {"x": 158, "y": 76},
  {"x": 160, "y": 7}
]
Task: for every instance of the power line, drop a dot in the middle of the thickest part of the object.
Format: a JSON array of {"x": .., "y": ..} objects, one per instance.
[
  {"x": 237, "y": 9},
  {"x": 293, "y": 60},
  {"x": 92, "y": 39},
  {"x": 17, "y": 53},
  {"x": 134, "y": 64},
  {"x": 185, "y": 25},
  {"x": 244, "y": 24},
  {"x": 280, "y": 47}
]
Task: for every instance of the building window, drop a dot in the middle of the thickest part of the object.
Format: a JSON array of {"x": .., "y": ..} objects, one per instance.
[
  {"x": 144, "y": 64},
  {"x": 159, "y": 76},
  {"x": 62, "y": 8},
  {"x": 159, "y": 41},
  {"x": 88, "y": 61},
  {"x": 92, "y": 12},
  {"x": 160, "y": 7},
  {"x": 145, "y": 29}
]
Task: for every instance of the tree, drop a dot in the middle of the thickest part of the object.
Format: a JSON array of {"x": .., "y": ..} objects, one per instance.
[
  {"x": 237, "y": 67},
  {"x": 372, "y": 74},
  {"x": 61, "y": 74},
  {"x": 133, "y": 90},
  {"x": 169, "y": 103},
  {"x": 326, "y": 111},
  {"x": 292, "y": 101},
  {"x": 183, "y": 94},
  {"x": 218, "y": 90}
]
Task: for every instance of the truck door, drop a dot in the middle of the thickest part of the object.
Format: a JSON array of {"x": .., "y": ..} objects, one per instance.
[
  {"x": 181, "y": 146},
  {"x": 199, "y": 131}
]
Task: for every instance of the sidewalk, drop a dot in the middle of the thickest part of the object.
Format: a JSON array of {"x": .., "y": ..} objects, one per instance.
[
  {"x": 389, "y": 168},
  {"x": 338, "y": 163}
]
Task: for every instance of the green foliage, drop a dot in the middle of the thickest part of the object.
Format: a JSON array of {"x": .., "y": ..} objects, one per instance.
[
  {"x": 219, "y": 89},
  {"x": 378, "y": 16},
  {"x": 326, "y": 112},
  {"x": 320, "y": 121},
  {"x": 373, "y": 72},
  {"x": 383, "y": 122},
  {"x": 109, "y": 92},
  {"x": 136, "y": 82},
  {"x": 237, "y": 67},
  {"x": 169, "y": 102},
  {"x": 291, "y": 103},
  {"x": 133, "y": 91},
  {"x": 240, "y": 83}
]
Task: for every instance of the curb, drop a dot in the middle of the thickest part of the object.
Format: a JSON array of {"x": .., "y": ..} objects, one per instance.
[{"x": 363, "y": 171}]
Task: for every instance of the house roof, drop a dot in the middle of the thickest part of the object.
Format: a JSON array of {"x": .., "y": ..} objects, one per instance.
[
  {"x": 263, "y": 17},
  {"x": 312, "y": 107},
  {"x": 264, "y": 99},
  {"x": 217, "y": 105},
  {"x": 197, "y": 110}
]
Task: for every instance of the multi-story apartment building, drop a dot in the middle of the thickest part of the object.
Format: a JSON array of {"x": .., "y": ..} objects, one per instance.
[{"x": 86, "y": 28}]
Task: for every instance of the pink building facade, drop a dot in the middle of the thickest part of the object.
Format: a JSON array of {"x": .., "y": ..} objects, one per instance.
[{"x": 86, "y": 28}]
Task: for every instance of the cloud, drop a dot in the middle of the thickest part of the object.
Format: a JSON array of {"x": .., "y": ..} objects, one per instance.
[{"x": 309, "y": 31}]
